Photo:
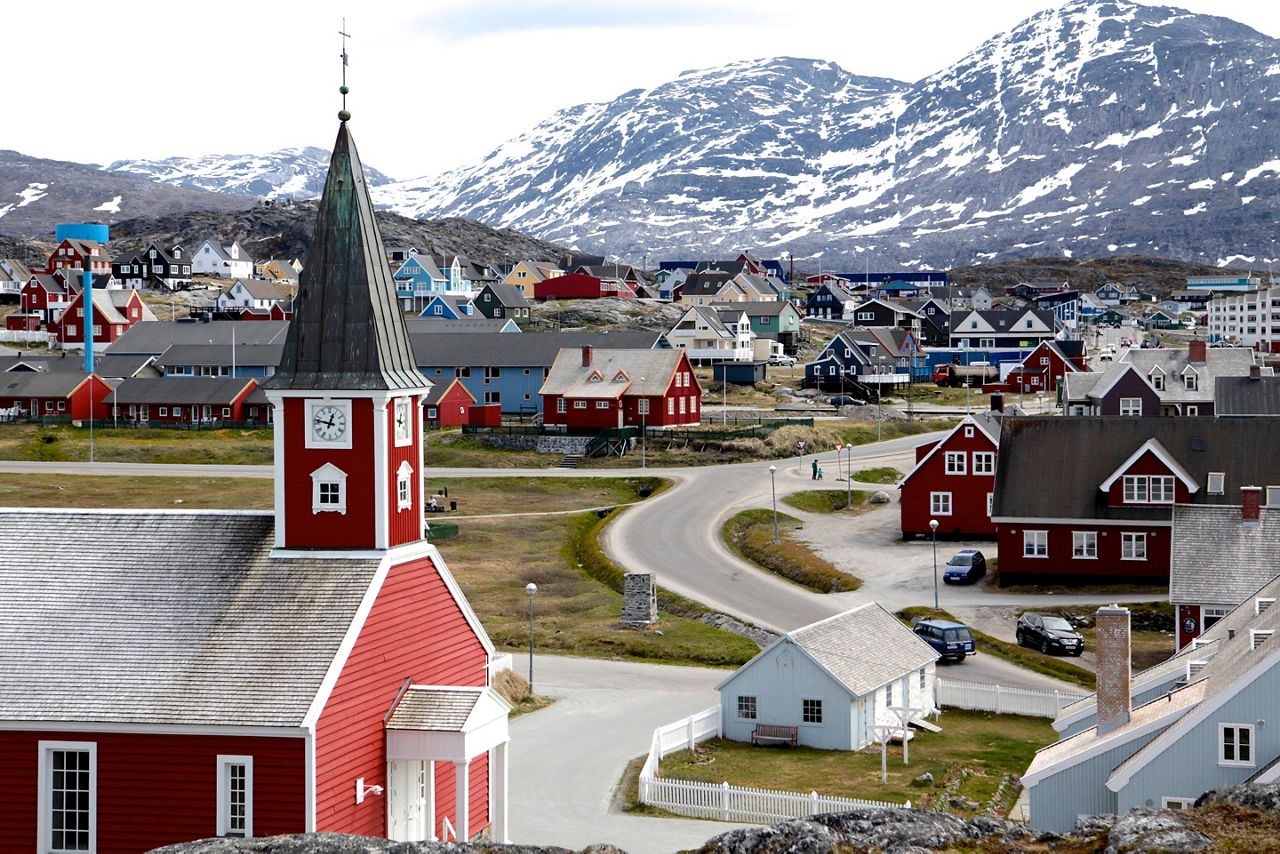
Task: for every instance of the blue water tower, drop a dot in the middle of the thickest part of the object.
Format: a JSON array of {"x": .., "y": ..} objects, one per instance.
[
  {"x": 94, "y": 231},
  {"x": 98, "y": 233}
]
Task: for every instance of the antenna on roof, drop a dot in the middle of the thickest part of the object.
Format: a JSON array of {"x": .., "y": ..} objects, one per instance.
[{"x": 343, "y": 114}]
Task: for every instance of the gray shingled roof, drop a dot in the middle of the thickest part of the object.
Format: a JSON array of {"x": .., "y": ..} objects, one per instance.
[
  {"x": 181, "y": 390},
  {"x": 518, "y": 351},
  {"x": 1052, "y": 467},
  {"x": 864, "y": 648},
  {"x": 102, "y": 619},
  {"x": 1217, "y": 560},
  {"x": 569, "y": 378},
  {"x": 347, "y": 331},
  {"x": 437, "y": 709},
  {"x": 255, "y": 355},
  {"x": 40, "y": 384},
  {"x": 1219, "y": 362},
  {"x": 152, "y": 339},
  {"x": 1243, "y": 396}
]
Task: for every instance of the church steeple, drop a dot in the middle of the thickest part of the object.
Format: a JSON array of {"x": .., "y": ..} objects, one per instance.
[
  {"x": 347, "y": 330},
  {"x": 347, "y": 395}
]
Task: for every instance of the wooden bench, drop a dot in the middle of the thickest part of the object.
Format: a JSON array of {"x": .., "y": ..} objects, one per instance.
[{"x": 769, "y": 733}]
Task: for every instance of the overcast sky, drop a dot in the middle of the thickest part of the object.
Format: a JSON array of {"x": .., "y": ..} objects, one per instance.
[{"x": 434, "y": 83}]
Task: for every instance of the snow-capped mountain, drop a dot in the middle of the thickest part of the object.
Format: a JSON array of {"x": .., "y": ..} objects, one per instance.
[
  {"x": 1100, "y": 127},
  {"x": 290, "y": 173}
]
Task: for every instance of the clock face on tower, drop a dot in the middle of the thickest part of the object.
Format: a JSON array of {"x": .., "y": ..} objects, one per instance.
[
  {"x": 404, "y": 421},
  {"x": 328, "y": 424}
]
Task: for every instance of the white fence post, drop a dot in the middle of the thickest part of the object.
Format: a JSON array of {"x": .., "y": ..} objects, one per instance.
[{"x": 724, "y": 801}]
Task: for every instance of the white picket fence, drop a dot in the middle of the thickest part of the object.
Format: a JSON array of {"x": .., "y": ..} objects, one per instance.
[
  {"x": 22, "y": 336},
  {"x": 1005, "y": 700},
  {"x": 722, "y": 802}
]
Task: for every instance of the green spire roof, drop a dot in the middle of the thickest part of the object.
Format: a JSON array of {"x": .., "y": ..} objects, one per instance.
[{"x": 347, "y": 331}]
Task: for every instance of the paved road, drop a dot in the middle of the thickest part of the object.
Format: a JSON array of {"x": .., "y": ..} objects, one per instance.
[{"x": 567, "y": 759}]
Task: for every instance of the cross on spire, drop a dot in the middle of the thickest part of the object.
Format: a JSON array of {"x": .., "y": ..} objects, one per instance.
[{"x": 343, "y": 114}]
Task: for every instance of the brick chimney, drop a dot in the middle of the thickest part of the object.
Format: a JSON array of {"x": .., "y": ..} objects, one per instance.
[
  {"x": 1114, "y": 702},
  {"x": 1196, "y": 352},
  {"x": 586, "y": 355},
  {"x": 1250, "y": 504}
]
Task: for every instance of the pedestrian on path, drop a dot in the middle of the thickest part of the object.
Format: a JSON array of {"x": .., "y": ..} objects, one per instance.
[{"x": 815, "y": 468}]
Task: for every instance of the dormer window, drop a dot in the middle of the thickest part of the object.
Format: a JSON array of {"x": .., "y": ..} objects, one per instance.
[
  {"x": 1192, "y": 380},
  {"x": 1157, "y": 381}
]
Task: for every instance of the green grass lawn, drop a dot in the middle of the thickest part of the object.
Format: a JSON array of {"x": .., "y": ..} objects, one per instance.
[
  {"x": 64, "y": 442},
  {"x": 987, "y": 745},
  {"x": 827, "y": 500},
  {"x": 884, "y": 474},
  {"x": 751, "y": 535},
  {"x": 161, "y": 493}
]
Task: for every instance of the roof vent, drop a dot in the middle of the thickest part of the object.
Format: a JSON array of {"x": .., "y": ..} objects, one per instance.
[
  {"x": 1257, "y": 637},
  {"x": 1194, "y": 668},
  {"x": 1197, "y": 443},
  {"x": 1262, "y": 603}
]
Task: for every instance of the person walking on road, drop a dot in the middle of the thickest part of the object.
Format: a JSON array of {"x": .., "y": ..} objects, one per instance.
[{"x": 815, "y": 468}]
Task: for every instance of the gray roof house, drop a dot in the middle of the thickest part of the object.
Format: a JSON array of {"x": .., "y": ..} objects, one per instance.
[
  {"x": 1186, "y": 379},
  {"x": 1202, "y": 726},
  {"x": 836, "y": 680}
]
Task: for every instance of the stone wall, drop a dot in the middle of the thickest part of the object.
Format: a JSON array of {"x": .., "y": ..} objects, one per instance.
[
  {"x": 541, "y": 444},
  {"x": 639, "y": 599}
]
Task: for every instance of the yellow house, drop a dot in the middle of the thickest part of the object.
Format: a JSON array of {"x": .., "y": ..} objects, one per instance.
[{"x": 529, "y": 273}]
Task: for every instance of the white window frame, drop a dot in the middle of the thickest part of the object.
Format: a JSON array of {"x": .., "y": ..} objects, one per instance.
[
  {"x": 1035, "y": 544},
  {"x": 404, "y": 486},
  {"x": 1216, "y": 483},
  {"x": 1271, "y": 496},
  {"x": 1177, "y": 804},
  {"x": 1133, "y": 545},
  {"x": 940, "y": 503},
  {"x": 1131, "y": 406},
  {"x": 579, "y": 404},
  {"x": 602, "y": 404},
  {"x": 745, "y": 701},
  {"x": 1136, "y": 489},
  {"x": 1236, "y": 729},
  {"x": 642, "y": 406},
  {"x": 984, "y": 462},
  {"x": 562, "y": 405},
  {"x": 955, "y": 462},
  {"x": 329, "y": 474},
  {"x": 44, "y": 819},
  {"x": 1084, "y": 545},
  {"x": 225, "y": 762},
  {"x": 1166, "y": 487}
]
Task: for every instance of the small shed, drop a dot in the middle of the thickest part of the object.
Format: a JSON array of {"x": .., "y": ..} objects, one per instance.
[
  {"x": 835, "y": 680},
  {"x": 739, "y": 373}
]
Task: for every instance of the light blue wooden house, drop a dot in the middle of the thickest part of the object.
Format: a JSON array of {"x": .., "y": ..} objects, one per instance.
[
  {"x": 835, "y": 681},
  {"x": 1198, "y": 721},
  {"x": 417, "y": 280}
]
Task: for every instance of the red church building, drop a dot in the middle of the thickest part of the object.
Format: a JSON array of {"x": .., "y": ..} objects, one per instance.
[
  {"x": 953, "y": 480},
  {"x": 171, "y": 675},
  {"x": 592, "y": 390}
]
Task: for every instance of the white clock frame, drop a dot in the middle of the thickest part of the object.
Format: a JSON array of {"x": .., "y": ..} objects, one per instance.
[
  {"x": 314, "y": 441},
  {"x": 406, "y": 404}
]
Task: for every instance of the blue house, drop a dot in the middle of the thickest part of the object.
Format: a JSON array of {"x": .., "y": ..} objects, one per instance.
[
  {"x": 448, "y": 306},
  {"x": 1195, "y": 722},
  {"x": 417, "y": 280}
]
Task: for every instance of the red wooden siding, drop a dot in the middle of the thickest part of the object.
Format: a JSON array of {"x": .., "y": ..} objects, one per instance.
[
  {"x": 405, "y": 525},
  {"x": 478, "y": 793},
  {"x": 416, "y": 630},
  {"x": 968, "y": 491},
  {"x": 156, "y": 790},
  {"x": 1107, "y": 566},
  {"x": 355, "y": 528},
  {"x": 1148, "y": 464}
]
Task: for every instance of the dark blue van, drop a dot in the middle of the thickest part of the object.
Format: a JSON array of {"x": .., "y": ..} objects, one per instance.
[{"x": 949, "y": 640}]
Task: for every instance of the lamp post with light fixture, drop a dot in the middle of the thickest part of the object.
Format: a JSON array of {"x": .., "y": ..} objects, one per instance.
[
  {"x": 531, "y": 589},
  {"x": 879, "y": 396},
  {"x": 933, "y": 526},
  {"x": 774, "y": 490}
]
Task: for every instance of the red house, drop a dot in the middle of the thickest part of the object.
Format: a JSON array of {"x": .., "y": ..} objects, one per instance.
[
  {"x": 61, "y": 393},
  {"x": 1044, "y": 367},
  {"x": 592, "y": 390},
  {"x": 953, "y": 480},
  {"x": 582, "y": 285},
  {"x": 243, "y": 673},
  {"x": 1091, "y": 499},
  {"x": 47, "y": 295},
  {"x": 115, "y": 311},
  {"x": 447, "y": 404},
  {"x": 74, "y": 254},
  {"x": 182, "y": 400}
]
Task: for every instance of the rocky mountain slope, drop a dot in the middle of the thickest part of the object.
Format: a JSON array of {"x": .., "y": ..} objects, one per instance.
[
  {"x": 1100, "y": 127},
  {"x": 290, "y": 173},
  {"x": 36, "y": 194}
]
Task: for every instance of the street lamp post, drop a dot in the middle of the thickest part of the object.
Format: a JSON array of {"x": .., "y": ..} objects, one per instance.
[
  {"x": 879, "y": 396},
  {"x": 933, "y": 526},
  {"x": 774, "y": 490},
  {"x": 644, "y": 412},
  {"x": 848, "y": 480},
  {"x": 531, "y": 589}
]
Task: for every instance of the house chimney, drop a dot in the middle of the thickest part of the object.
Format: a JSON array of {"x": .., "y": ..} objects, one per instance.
[
  {"x": 586, "y": 355},
  {"x": 1196, "y": 352},
  {"x": 997, "y": 402},
  {"x": 1250, "y": 504},
  {"x": 1255, "y": 372},
  {"x": 1114, "y": 703}
]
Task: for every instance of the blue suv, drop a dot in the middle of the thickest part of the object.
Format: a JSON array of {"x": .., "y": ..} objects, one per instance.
[{"x": 948, "y": 639}]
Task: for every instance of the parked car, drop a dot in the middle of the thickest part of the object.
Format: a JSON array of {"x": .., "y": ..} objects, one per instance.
[
  {"x": 1049, "y": 633},
  {"x": 1106, "y": 356},
  {"x": 844, "y": 400},
  {"x": 965, "y": 567},
  {"x": 783, "y": 360},
  {"x": 948, "y": 639}
]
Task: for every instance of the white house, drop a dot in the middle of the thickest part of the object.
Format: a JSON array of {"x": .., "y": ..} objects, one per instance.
[
  {"x": 214, "y": 259},
  {"x": 253, "y": 294},
  {"x": 714, "y": 335},
  {"x": 835, "y": 681}
]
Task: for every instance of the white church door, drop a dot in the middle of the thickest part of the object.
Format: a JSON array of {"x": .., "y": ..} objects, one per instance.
[{"x": 410, "y": 800}]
